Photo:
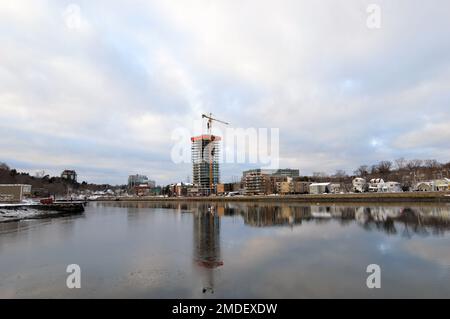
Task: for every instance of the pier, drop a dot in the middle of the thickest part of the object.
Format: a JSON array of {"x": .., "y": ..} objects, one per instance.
[{"x": 22, "y": 211}]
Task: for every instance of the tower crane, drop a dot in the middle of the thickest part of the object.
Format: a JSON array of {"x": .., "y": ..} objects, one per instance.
[
  {"x": 211, "y": 153},
  {"x": 210, "y": 120}
]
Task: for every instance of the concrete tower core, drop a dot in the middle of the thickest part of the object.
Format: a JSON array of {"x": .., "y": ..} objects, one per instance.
[{"x": 205, "y": 163}]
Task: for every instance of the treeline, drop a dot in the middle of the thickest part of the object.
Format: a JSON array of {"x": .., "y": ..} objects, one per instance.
[
  {"x": 47, "y": 185},
  {"x": 406, "y": 172}
]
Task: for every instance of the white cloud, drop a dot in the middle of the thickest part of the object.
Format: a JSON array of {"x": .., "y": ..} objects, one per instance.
[
  {"x": 431, "y": 135},
  {"x": 119, "y": 79}
]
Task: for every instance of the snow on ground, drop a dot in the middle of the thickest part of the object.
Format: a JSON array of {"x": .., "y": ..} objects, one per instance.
[
  {"x": 25, "y": 202},
  {"x": 8, "y": 214},
  {"x": 11, "y": 214}
]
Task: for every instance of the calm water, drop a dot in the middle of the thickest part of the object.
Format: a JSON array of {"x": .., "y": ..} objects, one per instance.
[{"x": 150, "y": 250}]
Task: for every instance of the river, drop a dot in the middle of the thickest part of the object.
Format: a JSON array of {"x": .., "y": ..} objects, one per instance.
[{"x": 230, "y": 250}]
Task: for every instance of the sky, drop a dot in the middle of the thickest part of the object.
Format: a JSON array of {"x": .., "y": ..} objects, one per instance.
[{"x": 100, "y": 86}]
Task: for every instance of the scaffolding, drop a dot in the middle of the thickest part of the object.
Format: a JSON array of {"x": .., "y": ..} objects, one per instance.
[{"x": 205, "y": 163}]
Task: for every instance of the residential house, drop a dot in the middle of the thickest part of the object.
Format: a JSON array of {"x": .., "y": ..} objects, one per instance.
[{"x": 319, "y": 188}]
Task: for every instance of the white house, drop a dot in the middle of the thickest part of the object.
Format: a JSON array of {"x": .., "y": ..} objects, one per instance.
[
  {"x": 390, "y": 187},
  {"x": 319, "y": 188},
  {"x": 359, "y": 185},
  {"x": 441, "y": 185},
  {"x": 375, "y": 184},
  {"x": 423, "y": 187}
]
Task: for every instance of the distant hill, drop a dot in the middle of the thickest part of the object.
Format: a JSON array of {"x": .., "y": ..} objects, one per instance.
[{"x": 47, "y": 185}]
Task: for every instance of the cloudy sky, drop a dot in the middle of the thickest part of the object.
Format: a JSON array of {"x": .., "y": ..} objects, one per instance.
[{"x": 100, "y": 87}]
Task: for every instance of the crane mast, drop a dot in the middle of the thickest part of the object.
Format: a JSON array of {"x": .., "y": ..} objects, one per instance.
[{"x": 209, "y": 123}]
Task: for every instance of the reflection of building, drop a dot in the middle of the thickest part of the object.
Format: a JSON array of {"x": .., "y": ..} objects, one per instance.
[
  {"x": 207, "y": 242},
  {"x": 205, "y": 163},
  {"x": 321, "y": 212},
  {"x": 388, "y": 219},
  {"x": 275, "y": 215},
  {"x": 382, "y": 213}
]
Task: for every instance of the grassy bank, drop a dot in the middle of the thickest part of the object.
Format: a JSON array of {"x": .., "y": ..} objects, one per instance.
[{"x": 441, "y": 197}]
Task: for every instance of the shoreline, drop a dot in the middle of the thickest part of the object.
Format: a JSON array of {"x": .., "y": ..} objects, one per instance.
[
  {"x": 432, "y": 197},
  {"x": 25, "y": 211}
]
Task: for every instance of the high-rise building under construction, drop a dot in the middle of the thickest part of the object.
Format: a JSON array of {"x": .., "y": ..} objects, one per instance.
[{"x": 205, "y": 163}]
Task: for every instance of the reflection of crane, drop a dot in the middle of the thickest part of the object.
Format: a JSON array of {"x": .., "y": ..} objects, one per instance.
[
  {"x": 211, "y": 152},
  {"x": 207, "y": 244}
]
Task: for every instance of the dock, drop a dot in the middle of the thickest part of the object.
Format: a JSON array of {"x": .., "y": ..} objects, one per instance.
[{"x": 22, "y": 211}]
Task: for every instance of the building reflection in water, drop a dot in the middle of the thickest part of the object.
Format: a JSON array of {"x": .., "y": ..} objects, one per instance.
[
  {"x": 207, "y": 242},
  {"x": 394, "y": 219},
  {"x": 391, "y": 219}
]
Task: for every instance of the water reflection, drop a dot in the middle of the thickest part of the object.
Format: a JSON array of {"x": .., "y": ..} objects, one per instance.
[
  {"x": 407, "y": 221},
  {"x": 391, "y": 219},
  {"x": 206, "y": 235},
  {"x": 230, "y": 250}
]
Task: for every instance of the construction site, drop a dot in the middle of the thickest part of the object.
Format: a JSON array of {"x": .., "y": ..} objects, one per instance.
[{"x": 205, "y": 159}]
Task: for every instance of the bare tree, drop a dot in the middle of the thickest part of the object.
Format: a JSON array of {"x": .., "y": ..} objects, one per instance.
[
  {"x": 340, "y": 173},
  {"x": 432, "y": 163},
  {"x": 4, "y": 167},
  {"x": 384, "y": 167},
  {"x": 39, "y": 174},
  {"x": 414, "y": 164},
  {"x": 374, "y": 169},
  {"x": 362, "y": 171},
  {"x": 401, "y": 163},
  {"x": 340, "y": 176},
  {"x": 319, "y": 176}
]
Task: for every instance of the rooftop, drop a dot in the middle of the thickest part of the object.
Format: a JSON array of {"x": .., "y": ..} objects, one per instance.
[{"x": 206, "y": 137}]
